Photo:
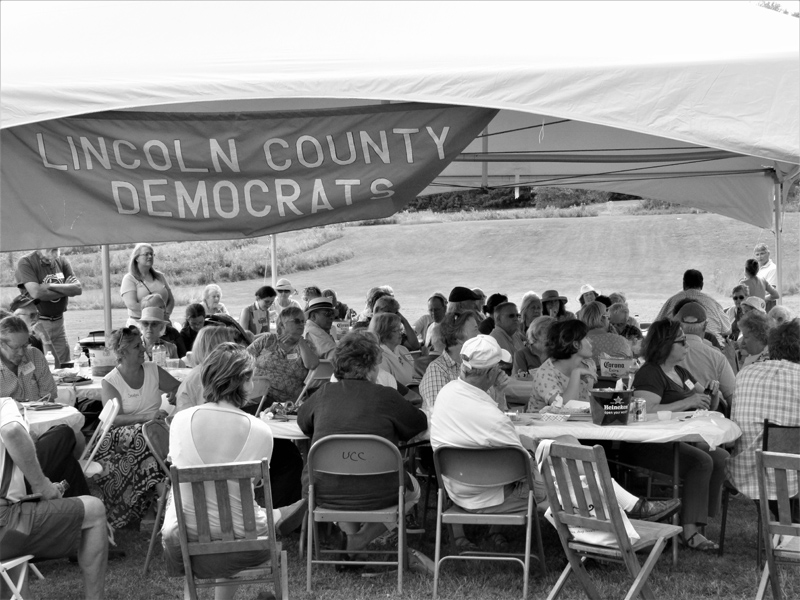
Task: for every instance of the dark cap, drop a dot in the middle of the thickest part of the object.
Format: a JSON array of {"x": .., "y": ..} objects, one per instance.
[
  {"x": 21, "y": 301},
  {"x": 691, "y": 312},
  {"x": 462, "y": 294}
]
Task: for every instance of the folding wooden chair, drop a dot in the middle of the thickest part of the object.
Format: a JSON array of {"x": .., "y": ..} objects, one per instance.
[
  {"x": 563, "y": 469},
  {"x": 156, "y": 436},
  {"x": 315, "y": 377},
  {"x": 16, "y": 587},
  {"x": 489, "y": 467},
  {"x": 106, "y": 418},
  {"x": 216, "y": 479},
  {"x": 350, "y": 457},
  {"x": 776, "y": 438},
  {"x": 781, "y": 536}
]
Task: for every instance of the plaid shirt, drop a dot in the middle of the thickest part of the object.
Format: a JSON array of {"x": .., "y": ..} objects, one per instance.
[
  {"x": 765, "y": 390},
  {"x": 32, "y": 385},
  {"x": 442, "y": 371}
]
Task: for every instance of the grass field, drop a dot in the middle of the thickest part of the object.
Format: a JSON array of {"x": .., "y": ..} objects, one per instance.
[
  {"x": 696, "y": 577},
  {"x": 643, "y": 256}
]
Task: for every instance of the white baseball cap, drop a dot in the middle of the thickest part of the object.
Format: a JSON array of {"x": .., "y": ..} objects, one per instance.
[{"x": 482, "y": 352}]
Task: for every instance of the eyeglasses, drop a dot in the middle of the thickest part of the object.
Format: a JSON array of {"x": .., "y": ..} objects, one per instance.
[
  {"x": 150, "y": 254},
  {"x": 738, "y": 297},
  {"x": 681, "y": 341},
  {"x": 297, "y": 321},
  {"x": 284, "y": 291},
  {"x": 14, "y": 348}
]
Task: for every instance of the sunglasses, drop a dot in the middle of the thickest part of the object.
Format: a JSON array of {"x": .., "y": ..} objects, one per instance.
[
  {"x": 284, "y": 291},
  {"x": 738, "y": 297}
]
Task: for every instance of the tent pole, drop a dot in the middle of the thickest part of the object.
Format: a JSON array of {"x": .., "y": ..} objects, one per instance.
[
  {"x": 105, "y": 260},
  {"x": 274, "y": 253},
  {"x": 484, "y": 164},
  {"x": 778, "y": 248}
]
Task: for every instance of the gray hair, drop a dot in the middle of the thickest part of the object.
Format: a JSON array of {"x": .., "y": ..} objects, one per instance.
[
  {"x": 357, "y": 354},
  {"x": 13, "y": 324},
  {"x": 592, "y": 314},
  {"x": 382, "y": 325},
  {"x": 539, "y": 328},
  {"x": 758, "y": 324},
  {"x": 781, "y": 314},
  {"x": 211, "y": 287}
]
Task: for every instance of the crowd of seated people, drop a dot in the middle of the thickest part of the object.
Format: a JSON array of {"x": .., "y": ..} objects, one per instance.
[{"x": 697, "y": 356}]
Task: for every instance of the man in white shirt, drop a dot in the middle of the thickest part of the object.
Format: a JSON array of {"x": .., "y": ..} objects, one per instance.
[
  {"x": 465, "y": 416},
  {"x": 766, "y": 268},
  {"x": 320, "y": 315}
]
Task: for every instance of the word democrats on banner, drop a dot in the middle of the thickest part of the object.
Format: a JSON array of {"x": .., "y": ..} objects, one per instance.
[{"x": 141, "y": 176}]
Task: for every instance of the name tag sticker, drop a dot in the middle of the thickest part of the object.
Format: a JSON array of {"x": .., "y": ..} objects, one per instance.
[
  {"x": 688, "y": 383},
  {"x": 292, "y": 356},
  {"x": 27, "y": 369}
]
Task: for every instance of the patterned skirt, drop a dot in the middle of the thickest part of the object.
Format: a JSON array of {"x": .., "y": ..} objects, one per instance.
[{"x": 132, "y": 474}]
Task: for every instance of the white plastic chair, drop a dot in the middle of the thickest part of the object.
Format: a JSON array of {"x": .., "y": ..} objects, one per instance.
[
  {"x": 16, "y": 587},
  {"x": 107, "y": 417}
]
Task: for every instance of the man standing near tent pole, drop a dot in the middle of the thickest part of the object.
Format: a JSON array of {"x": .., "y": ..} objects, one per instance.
[{"x": 46, "y": 276}]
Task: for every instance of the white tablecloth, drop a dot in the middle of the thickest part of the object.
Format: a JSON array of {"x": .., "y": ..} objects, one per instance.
[
  {"x": 68, "y": 394},
  {"x": 714, "y": 430},
  {"x": 40, "y": 421}
]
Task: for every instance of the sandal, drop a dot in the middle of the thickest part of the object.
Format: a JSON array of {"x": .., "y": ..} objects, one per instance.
[
  {"x": 499, "y": 542},
  {"x": 703, "y": 544},
  {"x": 464, "y": 545}
]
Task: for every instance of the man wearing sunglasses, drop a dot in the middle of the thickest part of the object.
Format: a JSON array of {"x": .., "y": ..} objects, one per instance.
[{"x": 319, "y": 319}]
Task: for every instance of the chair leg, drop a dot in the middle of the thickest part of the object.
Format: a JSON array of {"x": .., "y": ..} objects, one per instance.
[
  {"x": 726, "y": 494},
  {"x": 760, "y": 541},
  {"x": 762, "y": 585},
  {"x": 284, "y": 593},
  {"x": 301, "y": 541},
  {"x": 438, "y": 548},
  {"x": 772, "y": 567},
  {"x": 641, "y": 574},
  {"x": 162, "y": 502},
  {"x": 311, "y": 551}
]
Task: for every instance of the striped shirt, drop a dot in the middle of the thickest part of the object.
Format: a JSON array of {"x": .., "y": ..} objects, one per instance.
[
  {"x": 765, "y": 390},
  {"x": 32, "y": 380}
]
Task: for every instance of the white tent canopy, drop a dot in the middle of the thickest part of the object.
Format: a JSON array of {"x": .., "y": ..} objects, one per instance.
[{"x": 628, "y": 79}]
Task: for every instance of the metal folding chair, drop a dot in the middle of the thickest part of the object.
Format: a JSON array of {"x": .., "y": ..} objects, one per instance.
[
  {"x": 216, "y": 479},
  {"x": 596, "y": 507},
  {"x": 106, "y": 418},
  {"x": 781, "y": 535},
  {"x": 350, "y": 457},
  {"x": 489, "y": 467},
  {"x": 156, "y": 436}
]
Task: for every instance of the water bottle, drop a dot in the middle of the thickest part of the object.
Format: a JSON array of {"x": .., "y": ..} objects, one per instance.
[
  {"x": 77, "y": 350},
  {"x": 51, "y": 360},
  {"x": 82, "y": 364},
  {"x": 160, "y": 354}
]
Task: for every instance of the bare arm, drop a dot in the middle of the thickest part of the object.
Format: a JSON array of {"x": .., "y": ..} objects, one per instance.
[
  {"x": 411, "y": 341},
  {"x": 310, "y": 358},
  {"x": 132, "y": 302},
  {"x": 43, "y": 291},
  {"x": 20, "y": 447},
  {"x": 693, "y": 402},
  {"x": 773, "y": 293}
]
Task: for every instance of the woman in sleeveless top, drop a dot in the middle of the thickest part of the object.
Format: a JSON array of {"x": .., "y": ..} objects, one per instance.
[
  {"x": 220, "y": 432},
  {"x": 131, "y": 473}
]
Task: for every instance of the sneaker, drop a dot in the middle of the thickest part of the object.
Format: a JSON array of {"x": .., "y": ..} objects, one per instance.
[
  {"x": 412, "y": 527},
  {"x": 646, "y": 510},
  {"x": 419, "y": 563},
  {"x": 291, "y": 517}
]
